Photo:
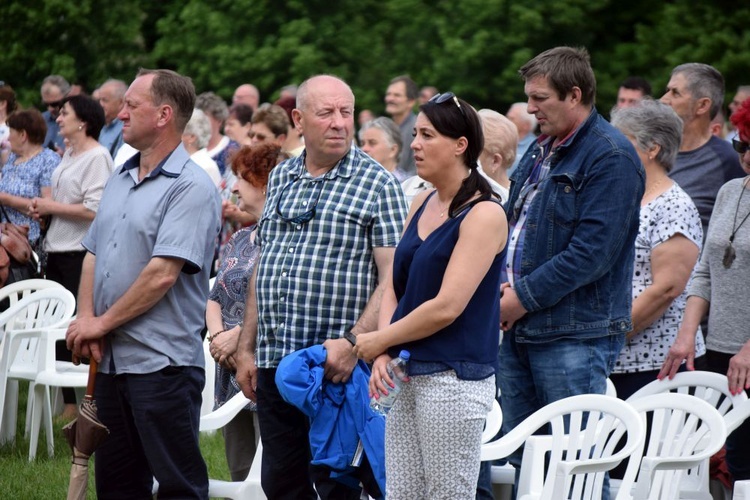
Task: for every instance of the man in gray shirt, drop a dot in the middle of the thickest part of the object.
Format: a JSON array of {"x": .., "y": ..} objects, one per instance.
[
  {"x": 696, "y": 92},
  {"x": 142, "y": 299},
  {"x": 400, "y": 98}
]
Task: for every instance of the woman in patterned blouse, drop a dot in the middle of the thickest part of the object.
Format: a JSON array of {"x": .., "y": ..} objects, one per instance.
[
  {"x": 666, "y": 249},
  {"x": 27, "y": 173},
  {"x": 226, "y": 301}
]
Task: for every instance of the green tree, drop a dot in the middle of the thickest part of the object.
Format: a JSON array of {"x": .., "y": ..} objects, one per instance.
[{"x": 85, "y": 41}]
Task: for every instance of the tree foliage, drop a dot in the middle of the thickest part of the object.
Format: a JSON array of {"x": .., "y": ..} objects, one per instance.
[{"x": 472, "y": 47}]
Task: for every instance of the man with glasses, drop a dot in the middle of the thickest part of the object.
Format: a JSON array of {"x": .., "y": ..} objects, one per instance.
[
  {"x": 328, "y": 232},
  {"x": 55, "y": 88},
  {"x": 573, "y": 218},
  {"x": 705, "y": 162}
]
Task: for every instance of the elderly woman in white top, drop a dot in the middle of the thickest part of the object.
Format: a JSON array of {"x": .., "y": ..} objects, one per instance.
[
  {"x": 195, "y": 139},
  {"x": 381, "y": 139},
  {"x": 666, "y": 249}
]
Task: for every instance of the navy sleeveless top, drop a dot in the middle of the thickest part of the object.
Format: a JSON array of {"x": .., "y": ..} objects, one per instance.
[{"x": 469, "y": 344}]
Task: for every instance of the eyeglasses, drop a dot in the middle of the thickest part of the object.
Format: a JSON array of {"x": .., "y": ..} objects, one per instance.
[
  {"x": 446, "y": 96},
  {"x": 302, "y": 218},
  {"x": 55, "y": 104},
  {"x": 740, "y": 146}
]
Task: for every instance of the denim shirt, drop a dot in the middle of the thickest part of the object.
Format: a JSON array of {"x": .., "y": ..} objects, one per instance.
[{"x": 577, "y": 259}]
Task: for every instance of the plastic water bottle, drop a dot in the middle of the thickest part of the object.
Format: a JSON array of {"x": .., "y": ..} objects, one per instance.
[{"x": 398, "y": 371}]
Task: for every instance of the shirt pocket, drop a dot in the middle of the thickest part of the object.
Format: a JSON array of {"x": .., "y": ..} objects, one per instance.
[{"x": 563, "y": 200}]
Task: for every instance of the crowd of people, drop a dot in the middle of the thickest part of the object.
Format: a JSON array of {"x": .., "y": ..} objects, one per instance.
[{"x": 536, "y": 265}]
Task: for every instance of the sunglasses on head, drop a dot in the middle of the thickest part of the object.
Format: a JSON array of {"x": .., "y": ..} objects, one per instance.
[
  {"x": 740, "y": 146},
  {"x": 447, "y": 96}
]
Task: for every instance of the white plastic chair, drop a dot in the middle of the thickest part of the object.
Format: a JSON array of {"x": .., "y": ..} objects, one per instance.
[
  {"x": 210, "y": 366},
  {"x": 249, "y": 488},
  {"x": 51, "y": 373},
  {"x": 208, "y": 390},
  {"x": 49, "y": 308},
  {"x": 741, "y": 490},
  {"x": 585, "y": 431},
  {"x": 20, "y": 289},
  {"x": 493, "y": 423},
  {"x": 714, "y": 389},
  {"x": 685, "y": 431}
]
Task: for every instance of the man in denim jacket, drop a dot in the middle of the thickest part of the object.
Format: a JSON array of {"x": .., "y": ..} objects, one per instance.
[{"x": 573, "y": 214}]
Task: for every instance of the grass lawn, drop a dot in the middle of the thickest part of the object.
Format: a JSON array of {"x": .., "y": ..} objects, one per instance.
[{"x": 46, "y": 477}]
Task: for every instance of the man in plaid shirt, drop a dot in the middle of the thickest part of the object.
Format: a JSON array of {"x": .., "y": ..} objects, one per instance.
[{"x": 329, "y": 228}]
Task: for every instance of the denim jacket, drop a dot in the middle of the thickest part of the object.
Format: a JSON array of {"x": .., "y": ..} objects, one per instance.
[{"x": 577, "y": 260}]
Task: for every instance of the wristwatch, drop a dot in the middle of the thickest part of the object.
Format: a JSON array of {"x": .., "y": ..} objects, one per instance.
[{"x": 348, "y": 335}]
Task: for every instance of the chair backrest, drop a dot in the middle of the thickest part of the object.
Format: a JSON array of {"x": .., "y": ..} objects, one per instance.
[
  {"x": 493, "y": 423},
  {"x": 584, "y": 442},
  {"x": 50, "y": 307},
  {"x": 711, "y": 387},
  {"x": 684, "y": 431},
  {"x": 20, "y": 289}
]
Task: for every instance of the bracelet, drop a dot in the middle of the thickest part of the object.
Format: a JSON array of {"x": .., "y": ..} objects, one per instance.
[{"x": 212, "y": 337}]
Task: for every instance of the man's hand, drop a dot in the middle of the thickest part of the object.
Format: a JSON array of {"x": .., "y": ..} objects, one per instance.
[
  {"x": 340, "y": 360},
  {"x": 247, "y": 372},
  {"x": 511, "y": 309},
  {"x": 85, "y": 337}
]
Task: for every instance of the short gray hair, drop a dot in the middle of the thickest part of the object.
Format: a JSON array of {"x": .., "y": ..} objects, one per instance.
[
  {"x": 530, "y": 118},
  {"x": 652, "y": 123},
  {"x": 200, "y": 127},
  {"x": 390, "y": 130},
  {"x": 212, "y": 105},
  {"x": 59, "y": 82},
  {"x": 500, "y": 135},
  {"x": 703, "y": 81}
]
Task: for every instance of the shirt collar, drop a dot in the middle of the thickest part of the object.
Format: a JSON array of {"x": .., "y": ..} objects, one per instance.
[
  {"x": 170, "y": 166},
  {"x": 543, "y": 140},
  {"x": 344, "y": 168}
]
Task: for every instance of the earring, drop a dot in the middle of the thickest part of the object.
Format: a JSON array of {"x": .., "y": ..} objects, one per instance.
[
  {"x": 263, "y": 192},
  {"x": 80, "y": 127}
]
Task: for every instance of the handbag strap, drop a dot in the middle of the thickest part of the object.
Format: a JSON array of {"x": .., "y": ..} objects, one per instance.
[{"x": 4, "y": 213}]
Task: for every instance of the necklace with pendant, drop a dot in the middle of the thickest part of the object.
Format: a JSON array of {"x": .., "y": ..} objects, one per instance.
[
  {"x": 729, "y": 253},
  {"x": 442, "y": 211}
]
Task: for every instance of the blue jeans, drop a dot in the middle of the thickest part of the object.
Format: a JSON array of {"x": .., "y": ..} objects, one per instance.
[
  {"x": 534, "y": 375},
  {"x": 153, "y": 420}
]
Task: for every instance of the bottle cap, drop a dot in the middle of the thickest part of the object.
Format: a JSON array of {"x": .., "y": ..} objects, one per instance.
[{"x": 404, "y": 355}]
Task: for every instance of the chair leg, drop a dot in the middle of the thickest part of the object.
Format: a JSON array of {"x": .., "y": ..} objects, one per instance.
[
  {"x": 11, "y": 410},
  {"x": 47, "y": 416},
  {"x": 36, "y": 419},
  {"x": 29, "y": 407}
]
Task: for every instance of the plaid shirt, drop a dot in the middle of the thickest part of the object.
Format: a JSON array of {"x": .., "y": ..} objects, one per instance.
[{"x": 315, "y": 278}]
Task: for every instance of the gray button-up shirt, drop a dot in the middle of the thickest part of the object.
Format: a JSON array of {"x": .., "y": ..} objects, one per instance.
[{"x": 174, "y": 212}]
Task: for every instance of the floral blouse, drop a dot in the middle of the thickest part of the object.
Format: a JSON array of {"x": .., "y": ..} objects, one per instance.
[
  {"x": 27, "y": 180},
  {"x": 230, "y": 290}
]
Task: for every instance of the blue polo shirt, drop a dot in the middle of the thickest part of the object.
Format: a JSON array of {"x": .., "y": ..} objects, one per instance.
[
  {"x": 173, "y": 212},
  {"x": 111, "y": 136}
]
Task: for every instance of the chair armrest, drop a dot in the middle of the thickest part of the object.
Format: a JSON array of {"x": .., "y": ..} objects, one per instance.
[{"x": 224, "y": 414}]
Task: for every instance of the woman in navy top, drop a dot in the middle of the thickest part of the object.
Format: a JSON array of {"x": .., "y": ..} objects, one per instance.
[{"x": 441, "y": 304}]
